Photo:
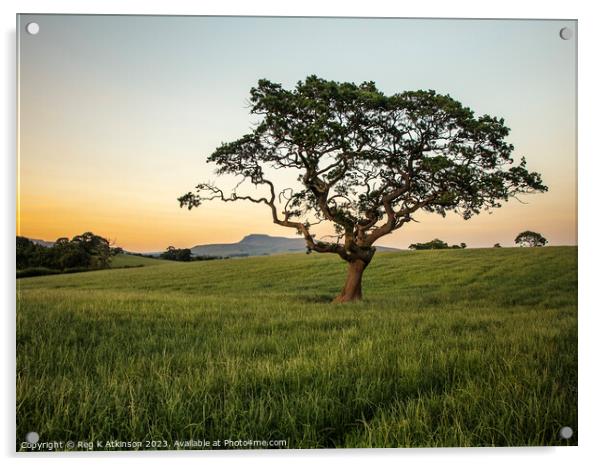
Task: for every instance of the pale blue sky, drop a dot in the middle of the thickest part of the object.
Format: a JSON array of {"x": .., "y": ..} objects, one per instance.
[{"x": 119, "y": 112}]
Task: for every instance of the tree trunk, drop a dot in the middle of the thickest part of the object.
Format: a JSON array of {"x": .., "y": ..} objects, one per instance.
[{"x": 352, "y": 291}]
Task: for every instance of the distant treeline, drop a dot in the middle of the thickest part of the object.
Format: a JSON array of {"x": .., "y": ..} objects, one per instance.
[
  {"x": 174, "y": 255},
  {"x": 524, "y": 239},
  {"x": 82, "y": 252},
  {"x": 185, "y": 255},
  {"x": 436, "y": 244}
]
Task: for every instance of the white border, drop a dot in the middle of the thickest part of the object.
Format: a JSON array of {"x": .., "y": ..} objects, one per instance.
[{"x": 590, "y": 170}]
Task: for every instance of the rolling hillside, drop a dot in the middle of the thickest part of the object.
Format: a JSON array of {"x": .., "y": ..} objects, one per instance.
[{"x": 450, "y": 348}]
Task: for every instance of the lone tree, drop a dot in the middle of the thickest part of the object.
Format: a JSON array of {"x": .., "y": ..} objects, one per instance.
[
  {"x": 530, "y": 239},
  {"x": 365, "y": 162}
]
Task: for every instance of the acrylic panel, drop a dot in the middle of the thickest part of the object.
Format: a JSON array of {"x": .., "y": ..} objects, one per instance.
[{"x": 286, "y": 232}]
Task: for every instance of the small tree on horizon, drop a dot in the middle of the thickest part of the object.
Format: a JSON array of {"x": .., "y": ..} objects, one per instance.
[
  {"x": 436, "y": 244},
  {"x": 174, "y": 254},
  {"x": 365, "y": 163},
  {"x": 530, "y": 239},
  {"x": 433, "y": 244}
]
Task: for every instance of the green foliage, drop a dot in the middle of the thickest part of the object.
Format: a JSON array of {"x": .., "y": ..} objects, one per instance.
[
  {"x": 530, "y": 239},
  {"x": 213, "y": 258},
  {"x": 30, "y": 254},
  {"x": 95, "y": 247},
  {"x": 174, "y": 254},
  {"x": 436, "y": 244},
  {"x": 66, "y": 254},
  {"x": 85, "y": 251},
  {"x": 450, "y": 348},
  {"x": 366, "y": 161}
]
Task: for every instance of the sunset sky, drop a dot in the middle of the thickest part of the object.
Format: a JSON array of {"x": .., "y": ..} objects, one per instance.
[{"x": 118, "y": 113}]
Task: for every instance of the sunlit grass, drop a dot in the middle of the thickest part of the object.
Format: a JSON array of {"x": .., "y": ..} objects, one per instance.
[
  {"x": 449, "y": 348},
  {"x": 130, "y": 260}
]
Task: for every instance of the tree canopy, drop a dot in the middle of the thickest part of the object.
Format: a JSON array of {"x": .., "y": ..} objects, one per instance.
[
  {"x": 436, "y": 244},
  {"x": 174, "y": 254},
  {"x": 530, "y": 239},
  {"x": 87, "y": 251},
  {"x": 365, "y": 162}
]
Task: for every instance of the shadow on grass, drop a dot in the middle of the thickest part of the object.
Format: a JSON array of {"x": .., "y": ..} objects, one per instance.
[{"x": 320, "y": 298}]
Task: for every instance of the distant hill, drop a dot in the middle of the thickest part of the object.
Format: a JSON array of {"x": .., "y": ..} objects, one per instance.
[
  {"x": 250, "y": 245},
  {"x": 257, "y": 245},
  {"x": 41, "y": 242}
]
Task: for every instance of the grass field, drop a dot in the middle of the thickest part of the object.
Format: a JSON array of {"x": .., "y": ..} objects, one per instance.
[
  {"x": 130, "y": 260},
  {"x": 449, "y": 348}
]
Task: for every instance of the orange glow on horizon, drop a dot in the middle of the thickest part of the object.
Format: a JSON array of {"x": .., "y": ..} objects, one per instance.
[{"x": 109, "y": 139}]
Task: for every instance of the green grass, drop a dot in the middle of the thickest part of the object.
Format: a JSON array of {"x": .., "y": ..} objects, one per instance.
[
  {"x": 449, "y": 348},
  {"x": 130, "y": 260}
]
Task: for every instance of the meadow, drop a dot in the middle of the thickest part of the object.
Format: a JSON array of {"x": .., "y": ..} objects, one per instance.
[
  {"x": 449, "y": 348},
  {"x": 130, "y": 260}
]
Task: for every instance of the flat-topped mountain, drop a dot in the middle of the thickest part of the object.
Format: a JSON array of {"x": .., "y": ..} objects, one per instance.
[{"x": 257, "y": 245}]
